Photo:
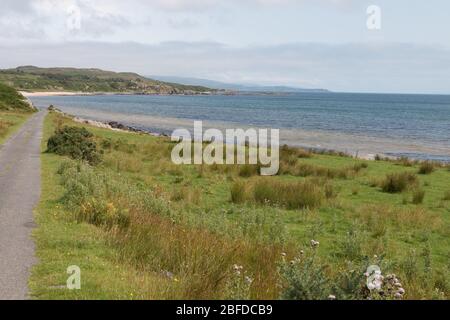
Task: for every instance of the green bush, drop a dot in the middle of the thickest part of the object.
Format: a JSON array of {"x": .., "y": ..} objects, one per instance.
[
  {"x": 10, "y": 99},
  {"x": 76, "y": 143},
  {"x": 304, "y": 278}
]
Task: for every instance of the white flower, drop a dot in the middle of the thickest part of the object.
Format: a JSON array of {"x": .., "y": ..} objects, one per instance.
[
  {"x": 371, "y": 286},
  {"x": 331, "y": 297},
  {"x": 314, "y": 243}
]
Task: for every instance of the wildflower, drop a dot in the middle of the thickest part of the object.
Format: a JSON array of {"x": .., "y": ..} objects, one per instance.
[
  {"x": 314, "y": 243},
  {"x": 401, "y": 291},
  {"x": 331, "y": 297},
  {"x": 398, "y": 296},
  {"x": 283, "y": 254},
  {"x": 237, "y": 267},
  {"x": 248, "y": 280},
  {"x": 302, "y": 252}
]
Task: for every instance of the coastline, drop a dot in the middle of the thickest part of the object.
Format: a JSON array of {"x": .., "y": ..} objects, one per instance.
[
  {"x": 361, "y": 146},
  {"x": 117, "y": 126},
  {"x": 68, "y": 93}
]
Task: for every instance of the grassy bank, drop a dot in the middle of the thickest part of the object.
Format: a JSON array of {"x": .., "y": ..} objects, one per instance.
[
  {"x": 140, "y": 227},
  {"x": 14, "y": 110}
]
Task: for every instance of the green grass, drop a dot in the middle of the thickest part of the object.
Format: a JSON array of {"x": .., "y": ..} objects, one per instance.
[
  {"x": 10, "y": 122},
  {"x": 14, "y": 111},
  {"x": 136, "y": 216}
]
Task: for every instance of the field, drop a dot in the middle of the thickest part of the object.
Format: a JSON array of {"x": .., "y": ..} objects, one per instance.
[{"x": 140, "y": 227}]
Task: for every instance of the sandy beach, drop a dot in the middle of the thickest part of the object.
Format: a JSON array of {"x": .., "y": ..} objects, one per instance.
[{"x": 55, "y": 93}]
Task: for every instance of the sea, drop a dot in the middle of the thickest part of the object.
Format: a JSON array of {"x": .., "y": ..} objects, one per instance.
[{"x": 414, "y": 126}]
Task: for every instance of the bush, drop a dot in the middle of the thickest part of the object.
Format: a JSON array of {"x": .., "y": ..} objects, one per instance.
[
  {"x": 304, "y": 278},
  {"x": 10, "y": 99},
  {"x": 426, "y": 167},
  {"x": 74, "y": 142},
  {"x": 398, "y": 182}
]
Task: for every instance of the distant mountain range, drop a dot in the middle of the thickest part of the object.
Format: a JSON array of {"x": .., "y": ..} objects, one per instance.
[
  {"x": 31, "y": 78},
  {"x": 233, "y": 86}
]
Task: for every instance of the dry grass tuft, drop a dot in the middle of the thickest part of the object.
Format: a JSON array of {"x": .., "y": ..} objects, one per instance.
[
  {"x": 426, "y": 167},
  {"x": 398, "y": 182}
]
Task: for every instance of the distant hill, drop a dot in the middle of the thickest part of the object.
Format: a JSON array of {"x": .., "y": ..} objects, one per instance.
[
  {"x": 10, "y": 99},
  {"x": 30, "y": 78},
  {"x": 233, "y": 86}
]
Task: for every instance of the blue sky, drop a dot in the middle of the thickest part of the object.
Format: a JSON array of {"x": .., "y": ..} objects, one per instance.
[{"x": 306, "y": 43}]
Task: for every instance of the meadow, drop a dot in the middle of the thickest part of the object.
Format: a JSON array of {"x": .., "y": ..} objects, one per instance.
[{"x": 141, "y": 227}]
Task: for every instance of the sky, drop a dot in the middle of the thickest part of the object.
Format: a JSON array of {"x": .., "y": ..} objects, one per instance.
[{"x": 302, "y": 43}]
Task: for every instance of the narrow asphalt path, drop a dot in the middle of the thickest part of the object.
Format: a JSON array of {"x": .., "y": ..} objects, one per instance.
[{"x": 20, "y": 187}]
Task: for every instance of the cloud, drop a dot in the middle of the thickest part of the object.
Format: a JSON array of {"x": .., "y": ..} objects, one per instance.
[{"x": 45, "y": 20}]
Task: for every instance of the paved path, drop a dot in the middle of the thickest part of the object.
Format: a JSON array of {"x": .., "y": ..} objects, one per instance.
[{"x": 20, "y": 187}]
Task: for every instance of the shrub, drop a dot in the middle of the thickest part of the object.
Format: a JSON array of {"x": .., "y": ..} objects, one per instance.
[
  {"x": 398, "y": 182},
  {"x": 418, "y": 196},
  {"x": 426, "y": 167},
  {"x": 74, "y": 142},
  {"x": 304, "y": 278},
  {"x": 10, "y": 99}
]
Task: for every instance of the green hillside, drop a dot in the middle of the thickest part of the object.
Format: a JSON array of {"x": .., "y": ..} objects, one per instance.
[
  {"x": 11, "y": 100},
  {"x": 30, "y": 78}
]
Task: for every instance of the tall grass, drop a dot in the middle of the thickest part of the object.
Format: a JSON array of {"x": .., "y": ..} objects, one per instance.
[
  {"x": 154, "y": 237},
  {"x": 446, "y": 196},
  {"x": 4, "y": 127},
  {"x": 290, "y": 195},
  {"x": 418, "y": 196},
  {"x": 305, "y": 170},
  {"x": 426, "y": 167},
  {"x": 398, "y": 182}
]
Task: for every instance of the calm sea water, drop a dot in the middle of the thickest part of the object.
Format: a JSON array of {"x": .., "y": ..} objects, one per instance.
[{"x": 413, "y": 125}]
